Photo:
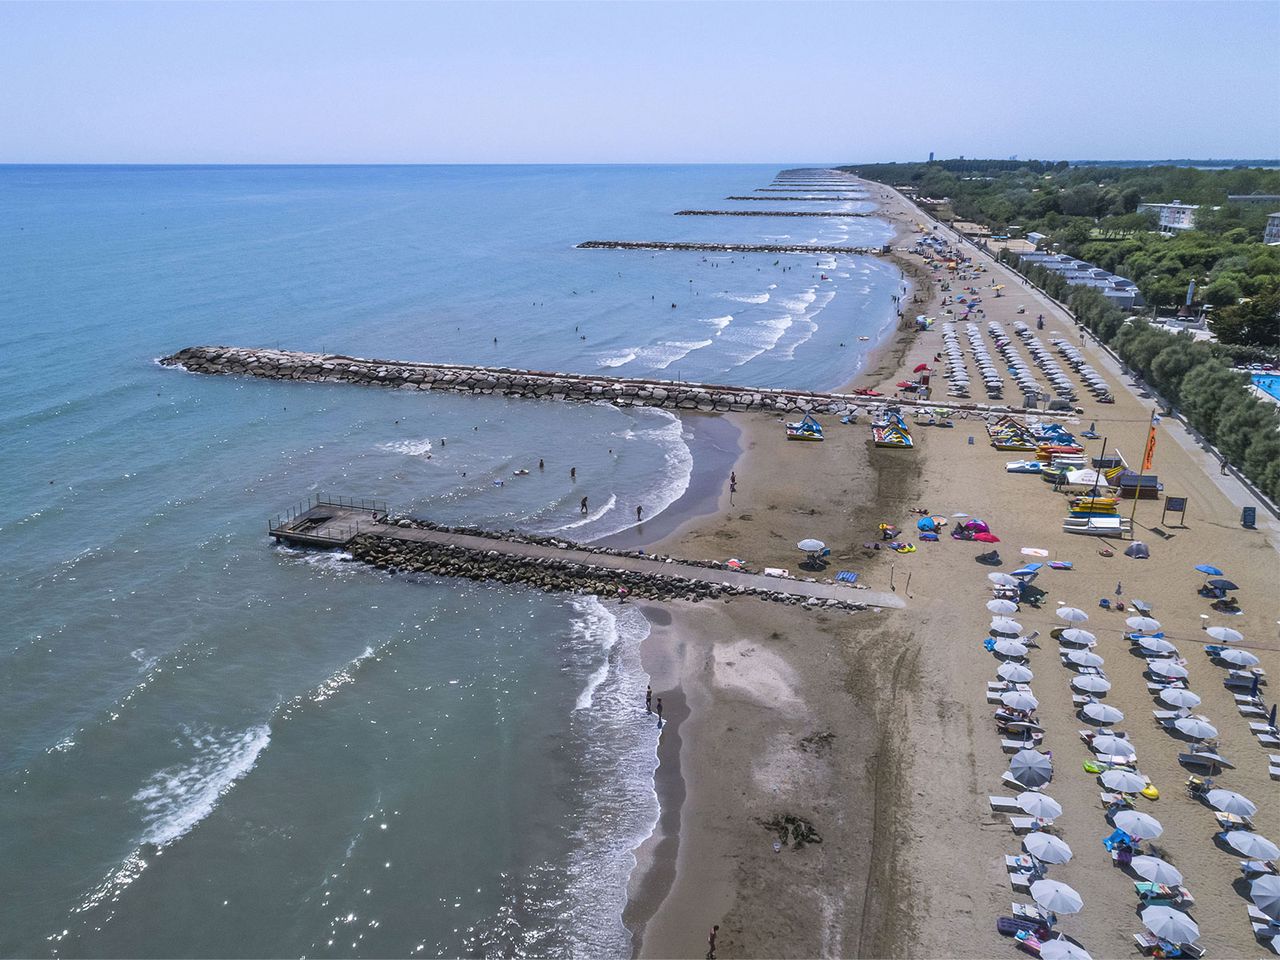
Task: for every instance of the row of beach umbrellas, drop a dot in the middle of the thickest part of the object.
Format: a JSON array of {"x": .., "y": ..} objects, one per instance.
[
  {"x": 1048, "y": 363},
  {"x": 1075, "y": 359}
]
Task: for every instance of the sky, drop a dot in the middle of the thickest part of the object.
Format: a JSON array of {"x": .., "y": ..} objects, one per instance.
[{"x": 617, "y": 82}]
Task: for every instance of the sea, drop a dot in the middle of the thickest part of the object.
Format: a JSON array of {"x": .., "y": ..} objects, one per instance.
[{"x": 211, "y": 745}]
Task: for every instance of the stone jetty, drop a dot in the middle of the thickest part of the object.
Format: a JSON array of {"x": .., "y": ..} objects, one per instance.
[
  {"x": 809, "y": 199},
  {"x": 729, "y": 247},
  {"x": 415, "y": 546},
  {"x": 802, "y": 189},
  {"x": 512, "y": 382},
  {"x": 768, "y": 213}
]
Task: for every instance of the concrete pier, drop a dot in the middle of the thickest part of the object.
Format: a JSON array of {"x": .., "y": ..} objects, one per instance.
[{"x": 364, "y": 528}]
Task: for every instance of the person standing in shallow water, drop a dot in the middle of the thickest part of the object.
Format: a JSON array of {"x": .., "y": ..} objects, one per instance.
[
  {"x": 648, "y": 699},
  {"x": 657, "y": 708},
  {"x": 584, "y": 505}
]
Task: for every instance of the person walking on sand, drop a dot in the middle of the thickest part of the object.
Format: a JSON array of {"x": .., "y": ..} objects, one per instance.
[
  {"x": 583, "y": 505},
  {"x": 657, "y": 708},
  {"x": 711, "y": 942},
  {"x": 648, "y": 699}
]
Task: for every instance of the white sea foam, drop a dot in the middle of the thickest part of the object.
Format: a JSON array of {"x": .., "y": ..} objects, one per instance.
[
  {"x": 719, "y": 322},
  {"x": 410, "y": 448},
  {"x": 176, "y": 798},
  {"x": 596, "y": 624},
  {"x": 620, "y": 359},
  {"x": 592, "y": 517},
  {"x": 664, "y": 354},
  {"x": 747, "y": 297}
]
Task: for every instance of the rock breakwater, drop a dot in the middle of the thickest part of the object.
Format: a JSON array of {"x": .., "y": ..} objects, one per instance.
[
  {"x": 729, "y": 247},
  {"x": 554, "y": 574},
  {"x": 534, "y": 384},
  {"x": 768, "y": 213}
]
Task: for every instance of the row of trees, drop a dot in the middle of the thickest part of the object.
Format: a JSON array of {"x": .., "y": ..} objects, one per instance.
[
  {"x": 1091, "y": 212},
  {"x": 1214, "y": 398}
]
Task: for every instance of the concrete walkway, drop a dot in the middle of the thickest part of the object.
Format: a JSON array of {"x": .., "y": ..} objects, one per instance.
[{"x": 671, "y": 568}]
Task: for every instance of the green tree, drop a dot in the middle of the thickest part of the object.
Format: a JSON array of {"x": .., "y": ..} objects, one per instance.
[{"x": 1255, "y": 322}]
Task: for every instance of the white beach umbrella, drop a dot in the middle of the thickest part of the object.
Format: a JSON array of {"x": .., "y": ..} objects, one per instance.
[
  {"x": 1167, "y": 668},
  {"x": 1225, "y": 634},
  {"x": 1039, "y": 805},
  {"x": 811, "y": 545},
  {"x": 1002, "y": 606},
  {"x": 1085, "y": 658},
  {"x": 1252, "y": 845},
  {"x": 1081, "y": 638},
  {"x": 1179, "y": 698},
  {"x": 1015, "y": 673},
  {"x": 1091, "y": 683},
  {"x": 1228, "y": 801},
  {"x": 1059, "y": 948},
  {"x": 1238, "y": 658},
  {"x": 1170, "y": 924},
  {"x": 1126, "y": 781},
  {"x": 1138, "y": 824},
  {"x": 1019, "y": 700},
  {"x": 1116, "y": 746},
  {"x": 1142, "y": 624},
  {"x": 1005, "y": 625},
  {"x": 1046, "y": 847},
  {"x": 1001, "y": 579},
  {"x": 1010, "y": 648},
  {"x": 1155, "y": 870},
  {"x": 1265, "y": 892},
  {"x": 1102, "y": 713},
  {"x": 1072, "y": 614},
  {"x": 1056, "y": 896},
  {"x": 1031, "y": 768},
  {"x": 1195, "y": 728},
  {"x": 1157, "y": 645}
]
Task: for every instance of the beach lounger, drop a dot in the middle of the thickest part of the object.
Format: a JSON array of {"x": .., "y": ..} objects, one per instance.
[
  {"x": 1013, "y": 746},
  {"x": 1242, "y": 679},
  {"x": 1028, "y": 911},
  {"x": 1020, "y": 881},
  {"x": 1259, "y": 916},
  {"x": 1273, "y": 765},
  {"x": 1268, "y": 740},
  {"x": 1269, "y": 935},
  {"x": 844, "y": 576},
  {"x": 1009, "y": 926},
  {"x": 1245, "y": 699},
  {"x": 1028, "y": 824},
  {"x": 1080, "y": 699},
  {"x": 1262, "y": 727},
  {"x": 1146, "y": 943},
  {"x": 1165, "y": 716},
  {"x": 1174, "y": 895},
  {"x": 1009, "y": 780},
  {"x": 1232, "y": 821},
  {"x": 1257, "y": 868},
  {"x": 1248, "y": 711},
  {"x": 1004, "y": 804}
]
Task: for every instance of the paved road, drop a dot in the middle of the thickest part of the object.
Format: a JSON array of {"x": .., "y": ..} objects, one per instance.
[{"x": 728, "y": 578}]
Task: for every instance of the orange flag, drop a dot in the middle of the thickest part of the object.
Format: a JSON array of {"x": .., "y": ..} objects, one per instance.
[{"x": 1150, "y": 453}]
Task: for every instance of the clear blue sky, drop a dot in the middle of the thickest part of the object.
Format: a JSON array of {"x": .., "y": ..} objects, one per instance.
[{"x": 644, "y": 82}]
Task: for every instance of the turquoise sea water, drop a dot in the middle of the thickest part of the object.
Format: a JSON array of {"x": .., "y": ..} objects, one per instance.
[{"x": 215, "y": 746}]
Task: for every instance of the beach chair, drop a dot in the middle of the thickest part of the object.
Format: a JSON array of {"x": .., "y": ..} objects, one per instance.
[
  {"x": 1028, "y": 911},
  {"x": 1009, "y": 780},
  {"x": 1232, "y": 821},
  {"x": 1013, "y": 746},
  {"x": 1028, "y": 824},
  {"x": 1257, "y": 868},
  {"x": 1004, "y": 805},
  {"x": 1245, "y": 700},
  {"x": 1146, "y": 942},
  {"x": 1269, "y": 935},
  {"x": 1259, "y": 727},
  {"x": 1273, "y": 765},
  {"x": 1257, "y": 915},
  {"x": 1268, "y": 740},
  {"x": 1165, "y": 717},
  {"x": 1248, "y": 711}
]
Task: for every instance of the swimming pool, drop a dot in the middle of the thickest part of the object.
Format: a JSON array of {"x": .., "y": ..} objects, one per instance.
[{"x": 1268, "y": 383}]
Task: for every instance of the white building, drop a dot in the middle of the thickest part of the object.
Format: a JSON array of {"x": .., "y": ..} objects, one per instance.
[
  {"x": 1172, "y": 216},
  {"x": 1272, "y": 234}
]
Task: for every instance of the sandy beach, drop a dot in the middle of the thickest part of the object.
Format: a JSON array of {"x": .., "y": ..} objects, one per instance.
[{"x": 875, "y": 726}]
